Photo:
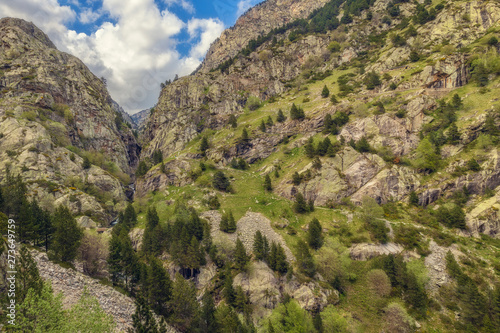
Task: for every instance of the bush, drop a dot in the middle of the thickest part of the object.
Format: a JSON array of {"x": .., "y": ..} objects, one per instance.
[
  {"x": 86, "y": 163},
  {"x": 142, "y": 169},
  {"x": 334, "y": 46},
  {"x": 372, "y": 80},
  {"x": 493, "y": 41},
  {"x": 253, "y": 103},
  {"x": 414, "y": 56}
]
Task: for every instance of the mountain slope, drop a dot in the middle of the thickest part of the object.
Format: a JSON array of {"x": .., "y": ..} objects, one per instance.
[{"x": 54, "y": 112}]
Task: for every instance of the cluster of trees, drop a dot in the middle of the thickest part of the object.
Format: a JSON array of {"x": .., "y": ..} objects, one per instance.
[
  {"x": 296, "y": 113},
  {"x": 477, "y": 310},
  {"x": 58, "y": 232},
  {"x": 323, "y": 148},
  {"x": 227, "y": 222},
  {"x": 238, "y": 163},
  {"x": 302, "y": 206},
  {"x": 264, "y": 125},
  {"x": 273, "y": 255},
  {"x": 404, "y": 282},
  {"x": 451, "y": 217},
  {"x": 221, "y": 182},
  {"x": 332, "y": 124}
]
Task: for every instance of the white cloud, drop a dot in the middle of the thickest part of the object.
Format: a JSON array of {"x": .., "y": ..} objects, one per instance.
[
  {"x": 208, "y": 30},
  {"x": 135, "y": 54},
  {"x": 87, "y": 16},
  {"x": 185, "y": 4}
]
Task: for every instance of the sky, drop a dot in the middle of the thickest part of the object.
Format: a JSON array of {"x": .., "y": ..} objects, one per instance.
[{"x": 134, "y": 44}]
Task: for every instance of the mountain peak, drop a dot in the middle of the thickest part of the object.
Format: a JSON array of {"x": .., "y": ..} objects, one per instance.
[{"x": 29, "y": 28}]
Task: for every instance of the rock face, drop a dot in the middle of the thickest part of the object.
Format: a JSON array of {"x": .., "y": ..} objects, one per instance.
[
  {"x": 51, "y": 106},
  {"x": 367, "y": 251},
  {"x": 436, "y": 265},
  {"x": 257, "y": 21},
  {"x": 72, "y": 284},
  {"x": 247, "y": 226}
]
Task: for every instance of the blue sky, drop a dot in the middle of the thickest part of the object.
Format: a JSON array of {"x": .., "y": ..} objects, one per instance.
[{"x": 134, "y": 44}]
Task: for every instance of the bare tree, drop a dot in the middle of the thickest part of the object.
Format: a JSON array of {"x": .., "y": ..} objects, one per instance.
[{"x": 93, "y": 253}]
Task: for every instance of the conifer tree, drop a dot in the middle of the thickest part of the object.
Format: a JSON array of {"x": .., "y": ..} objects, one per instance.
[
  {"x": 453, "y": 134},
  {"x": 244, "y": 136},
  {"x": 129, "y": 216},
  {"x": 67, "y": 235},
  {"x": 315, "y": 237},
  {"x": 258, "y": 245},
  {"x": 296, "y": 178},
  {"x": 316, "y": 163},
  {"x": 208, "y": 322},
  {"x": 86, "y": 163},
  {"x": 220, "y": 181},
  {"x": 228, "y": 291},
  {"x": 231, "y": 223},
  {"x": 240, "y": 256},
  {"x": 28, "y": 276},
  {"x": 271, "y": 258},
  {"x": 233, "y": 121},
  {"x": 280, "y": 262},
  {"x": 204, "y": 145},
  {"x": 413, "y": 200},
  {"x": 159, "y": 287},
  {"x": 325, "y": 92},
  {"x": 224, "y": 226},
  {"x": 300, "y": 205},
  {"x": 262, "y": 126},
  {"x": 150, "y": 243},
  {"x": 268, "y": 186},
  {"x": 143, "y": 320},
  {"x": 309, "y": 148},
  {"x": 185, "y": 307},
  {"x": 305, "y": 259},
  {"x": 269, "y": 122},
  {"x": 280, "y": 117}
]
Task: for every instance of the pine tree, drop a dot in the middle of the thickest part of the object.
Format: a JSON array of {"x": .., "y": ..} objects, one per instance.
[
  {"x": 280, "y": 117},
  {"x": 269, "y": 122},
  {"x": 67, "y": 235},
  {"x": 325, "y": 92},
  {"x": 150, "y": 243},
  {"x": 456, "y": 101},
  {"x": 327, "y": 123},
  {"x": 268, "y": 186},
  {"x": 300, "y": 205},
  {"x": 296, "y": 179},
  {"x": 228, "y": 291},
  {"x": 315, "y": 237},
  {"x": 309, "y": 148},
  {"x": 362, "y": 145},
  {"x": 233, "y": 121},
  {"x": 208, "y": 323},
  {"x": 143, "y": 320},
  {"x": 413, "y": 200},
  {"x": 204, "y": 145},
  {"x": 310, "y": 205},
  {"x": 231, "y": 223},
  {"x": 28, "y": 276},
  {"x": 244, "y": 136},
  {"x": 262, "y": 126},
  {"x": 224, "y": 226},
  {"x": 453, "y": 134},
  {"x": 280, "y": 262},
  {"x": 220, "y": 181},
  {"x": 296, "y": 113},
  {"x": 185, "y": 307},
  {"x": 305, "y": 259},
  {"x": 129, "y": 216},
  {"x": 159, "y": 287},
  {"x": 334, "y": 99},
  {"x": 240, "y": 256},
  {"x": 258, "y": 245}
]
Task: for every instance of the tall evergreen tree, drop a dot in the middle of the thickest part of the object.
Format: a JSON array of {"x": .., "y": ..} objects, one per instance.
[
  {"x": 300, "y": 205},
  {"x": 268, "y": 186},
  {"x": 204, "y": 145},
  {"x": 315, "y": 237},
  {"x": 309, "y": 148},
  {"x": 453, "y": 134},
  {"x": 151, "y": 238},
  {"x": 262, "y": 126},
  {"x": 305, "y": 259},
  {"x": 129, "y": 216},
  {"x": 269, "y": 122},
  {"x": 258, "y": 245},
  {"x": 28, "y": 276},
  {"x": 325, "y": 92},
  {"x": 208, "y": 322},
  {"x": 185, "y": 307},
  {"x": 67, "y": 235},
  {"x": 233, "y": 121},
  {"x": 280, "y": 262},
  {"x": 240, "y": 256},
  {"x": 280, "y": 117},
  {"x": 224, "y": 226},
  {"x": 220, "y": 181},
  {"x": 159, "y": 287},
  {"x": 143, "y": 320},
  {"x": 231, "y": 223},
  {"x": 228, "y": 291}
]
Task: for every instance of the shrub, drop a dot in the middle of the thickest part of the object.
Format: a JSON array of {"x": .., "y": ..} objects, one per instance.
[
  {"x": 372, "y": 80},
  {"x": 86, "y": 163},
  {"x": 414, "y": 56},
  {"x": 253, "y": 103},
  {"x": 493, "y": 41},
  {"x": 393, "y": 86},
  {"x": 334, "y": 46}
]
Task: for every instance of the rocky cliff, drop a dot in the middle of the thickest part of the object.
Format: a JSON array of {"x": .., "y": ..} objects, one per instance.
[{"x": 55, "y": 112}]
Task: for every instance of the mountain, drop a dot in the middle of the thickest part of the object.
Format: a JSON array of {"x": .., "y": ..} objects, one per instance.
[
  {"x": 331, "y": 167},
  {"x": 390, "y": 141},
  {"x": 140, "y": 117},
  {"x": 55, "y": 113}
]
